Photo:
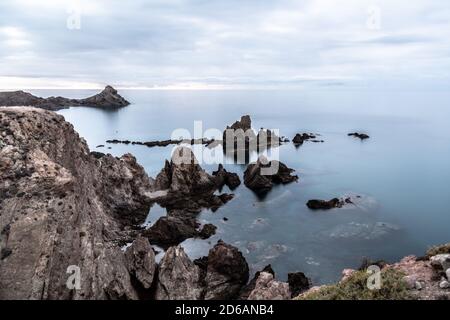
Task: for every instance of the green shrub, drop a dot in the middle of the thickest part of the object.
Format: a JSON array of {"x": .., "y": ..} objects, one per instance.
[{"x": 393, "y": 287}]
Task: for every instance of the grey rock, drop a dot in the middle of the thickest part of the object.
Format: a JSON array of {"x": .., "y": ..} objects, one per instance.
[
  {"x": 178, "y": 277},
  {"x": 226, "y": 274},
  {"x": 141, "y": 261},
  {"x": 267, "y": 288},
  {"x": 447, "y": 273},
  {"x": 444, "y": 284},
  {"x": 440, "y": 262},
  {"x": 73, "y": 210}
]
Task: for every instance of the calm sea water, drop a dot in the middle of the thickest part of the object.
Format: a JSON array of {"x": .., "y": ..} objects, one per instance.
[{"x": 402, "y": 172}]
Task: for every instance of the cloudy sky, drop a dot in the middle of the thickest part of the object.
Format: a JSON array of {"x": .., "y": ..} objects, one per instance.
[{"x": 224, "y": 43}]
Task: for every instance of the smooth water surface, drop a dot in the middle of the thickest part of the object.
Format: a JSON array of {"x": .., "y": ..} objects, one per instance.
[{"x": 402, "y": 172}]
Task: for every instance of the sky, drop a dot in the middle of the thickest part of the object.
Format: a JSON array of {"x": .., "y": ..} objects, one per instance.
[{"x": 227, "y": 44}]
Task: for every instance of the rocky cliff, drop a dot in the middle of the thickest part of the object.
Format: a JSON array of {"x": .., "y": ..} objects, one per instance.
[
  {"x": 62, "y": 206},
  {"x": 108, "y": 98}
]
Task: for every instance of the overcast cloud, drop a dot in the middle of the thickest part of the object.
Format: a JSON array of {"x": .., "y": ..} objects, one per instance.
[{"x": 224, "y": 44}]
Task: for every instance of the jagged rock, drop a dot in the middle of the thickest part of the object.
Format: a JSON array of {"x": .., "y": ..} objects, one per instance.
[
  {"x": 247, "y": 290},
  {"x": 183, "y": 175},
  {"x": 223, "y": 177},
  {"x": 178, "y": 277},
  {"x": 267, "y": 288},
  {"x": 325, "y": 205},
  {"x": 141, "y": 261},
  {"x": 61, "y": 207},
  {"x": 261, "y": 176},
  {"x": 226, "y": 274},
  {"x": 171, "y": 230},
  {"x": 108, "y": 98},
  {"x": 298, "y": 283},
  {"x": 361, "y": 136},
  {"x": 440, "y": 262},
  {"x": 300, "y": 138},
  {"x": 207, "y": 231}
]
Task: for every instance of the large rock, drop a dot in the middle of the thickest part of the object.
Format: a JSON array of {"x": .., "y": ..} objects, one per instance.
[
  {"x": 178, "y": 277},
  {"x": 141, "y": 261},
  {"x": 108, "y": 98},
  {"x": 172, "y": 230},
  {"x": 183, "y": 174},
  {"x": 298, "y": 283},
  {"x": 223, "y": 177},
  {"x": 62, "y": 207},
  {"x": 261, "y": 176},
  {"x": 267, "y": 288},
  {"x": 325, "y": 205},
  {"x": 300, "y": 138},
  {"x": 227, "y": 272}
]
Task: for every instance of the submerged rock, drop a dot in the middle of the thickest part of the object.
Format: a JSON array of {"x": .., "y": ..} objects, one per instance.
[
  {"x": 300, "y": 138},
  {"x": 261, "y": 176},
  {"x": 325, "y": 205},
  {"x": 361, "y": 136},
  {"x": 108, "y": 98}
]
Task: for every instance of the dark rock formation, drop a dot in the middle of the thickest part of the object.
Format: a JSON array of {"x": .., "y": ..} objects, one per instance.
[
  {"x": 207, "y": 231},
  {"x": 227, "y": 272},
  {"x": 162, "y": 143},
  {"x": 183, "y": 175},
  {"x": 325, "y": 205},
  {"x": 300, "y": 138},
  {"x": 141, "y": 261},
  {"x": 108, "y": 98},
  {"x": 223, "y": 177},
  {"x": 298, "y": 283},
  {"x": 239, "y": 139},
  {"x": 178, "y": 277},
  {"x": 172, "y": 230},
  {"x": 361, "y": 136},
  {"x": 61, "y": 207},
  {"x": 330, "y": 204},
  {"x": 261, "y": 176}
]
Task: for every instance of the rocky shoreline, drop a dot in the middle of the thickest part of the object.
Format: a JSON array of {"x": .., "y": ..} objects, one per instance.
[{"x": 63, "y": 206}]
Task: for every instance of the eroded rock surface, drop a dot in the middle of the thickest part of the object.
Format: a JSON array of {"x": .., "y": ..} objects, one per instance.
[
  {"x": 267, "y": 288},
  {"x": 62, "y": 206}
]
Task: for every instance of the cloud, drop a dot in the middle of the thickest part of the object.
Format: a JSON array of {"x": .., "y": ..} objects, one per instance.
[{"x": 234, "y": 43}]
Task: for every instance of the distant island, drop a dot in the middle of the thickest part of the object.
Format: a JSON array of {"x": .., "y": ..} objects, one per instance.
[{"x": 107, "y": 99}]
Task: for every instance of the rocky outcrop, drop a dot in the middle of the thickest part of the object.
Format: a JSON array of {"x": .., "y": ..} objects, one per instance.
[
  {"x": 300, "y": 138},
  {"x": 141, "y": 261},
  {"x": 183, "y": 175},
  {"x": 223, "y": 177},
  {"x": 64, "y": 209},
  {"x": 108, "y": 98},
  {"x": 227, "y": 272},
  {"x": 178, "y": 277},
  {"x": 267, "y": 288},
  {"x": 330, "y": 204},
  {"x": 162, "y": 143},
  {"x": 298, "y": 283},
  {"x": 361, "y": 136},
  {"x": 261, "y": 176},
  {"x": 324, "y": 205}
]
